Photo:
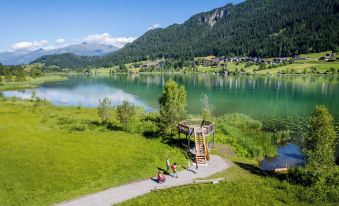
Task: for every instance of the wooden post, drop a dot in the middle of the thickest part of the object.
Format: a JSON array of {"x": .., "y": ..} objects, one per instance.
[
  {"x": 188, "y": 137},
  {"x": 213, "y": 140}
]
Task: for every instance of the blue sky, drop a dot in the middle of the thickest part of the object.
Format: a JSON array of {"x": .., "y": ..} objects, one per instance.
[{"x": 29, "y": 24}]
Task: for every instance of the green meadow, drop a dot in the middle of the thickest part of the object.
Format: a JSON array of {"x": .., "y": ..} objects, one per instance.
[
  {"x": 31, "y": 82},
  {"x": 241, "y": 187},
  {"x": 244, "y": 185},
  {"x": 51, "y": 154}
]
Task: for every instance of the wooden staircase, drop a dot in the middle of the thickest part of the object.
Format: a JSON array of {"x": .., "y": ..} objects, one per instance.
[{"x": 201, "y": 151}]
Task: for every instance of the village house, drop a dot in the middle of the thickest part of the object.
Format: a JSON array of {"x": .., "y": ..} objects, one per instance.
[{"x": 328, "y": 57}]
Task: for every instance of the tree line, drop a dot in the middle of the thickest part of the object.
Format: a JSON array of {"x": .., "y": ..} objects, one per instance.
[{"x": 257, "y": 28}]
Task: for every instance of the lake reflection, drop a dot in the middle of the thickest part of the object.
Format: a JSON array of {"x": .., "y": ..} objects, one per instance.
[{"x": 82, "y": 95}]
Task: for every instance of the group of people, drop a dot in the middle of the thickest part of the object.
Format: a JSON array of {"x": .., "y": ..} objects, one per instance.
[
  {"x": 161, "y": 177},
  {"x": 173, "y": 167}
]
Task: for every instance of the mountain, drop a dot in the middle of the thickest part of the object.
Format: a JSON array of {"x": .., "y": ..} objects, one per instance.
[
  {"x": 83, "y": 49},
  {"x": 266, "y": 28},
  {"x": 67, "y": 60}
]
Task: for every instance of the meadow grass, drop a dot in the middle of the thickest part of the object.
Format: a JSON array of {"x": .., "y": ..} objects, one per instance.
[
  {"x": 327, "y": 66},
  {"x": 50, "y": 154},
  {"x": 245, "y": 185},
  {"x": 208, "y": 69},
  {"x": 316, "y": 55},
  {"x": 246, "y": 136},
  {"x": 242, "y": 187},
  {"x": 300, "y": 67},
  {"x": 297, "y": 67},
  {"x": 32, "y": 82}
]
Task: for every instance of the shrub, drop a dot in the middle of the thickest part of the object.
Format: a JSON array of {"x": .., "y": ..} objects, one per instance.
[
  {"x": 320, "y": 142},
  {"x": 126, "y": 112},
  {"x": 149, "y": 128},
  {"x": 332, "y": 70},
  {"x": 78, "y": 126},
  {"x": 20, "y": 78},
  {"x": 104, "y": 110},
  {"x": 8, "y": 78}
]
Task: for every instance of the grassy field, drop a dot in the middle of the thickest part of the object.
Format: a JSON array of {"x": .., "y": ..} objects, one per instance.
[
  {"x": 245, "y": 185},
  {"x": 32, "y": 83},
  {"x": 50, "y": 154},
  {"x": 298, "y": 67},
  {"x": 242, "y": 187},
  {"x": 315, "y": 55}
]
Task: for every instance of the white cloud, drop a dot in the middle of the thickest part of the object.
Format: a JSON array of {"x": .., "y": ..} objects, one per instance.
[
  {"x": 29, "y": 45},
  {"x": 154, "y": 26},
  {"x": 106, "y": 38},
  {"x": 60, "y": 41}
]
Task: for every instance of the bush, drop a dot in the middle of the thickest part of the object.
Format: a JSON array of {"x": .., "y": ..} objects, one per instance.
[
  {"x": 104, "y": 110},
  {"x": 126, "y": 112},
  {"x": 79, "y": 126},
  {"x": 8, "y": 78},
  {"x": 20, "y": 78},
  {"x": 149, "y": 128}
]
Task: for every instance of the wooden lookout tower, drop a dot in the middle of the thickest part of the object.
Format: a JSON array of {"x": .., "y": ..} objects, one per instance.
[{"x": 201, "y": 130}]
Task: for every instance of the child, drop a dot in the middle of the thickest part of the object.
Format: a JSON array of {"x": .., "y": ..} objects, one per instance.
[
  {"x": 168, "y": 166},
  {"x": 161, "y": 178},
  {"x": 174, "y": 169},
  {"x": 188, "y": 165}
]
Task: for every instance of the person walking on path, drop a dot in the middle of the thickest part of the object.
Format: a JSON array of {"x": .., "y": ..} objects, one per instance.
[
  {"x": 174, "y": 169},
  {"x": 196, "y": 168},
  {"x": 168, "y": 166},
  {"x": 161, "y": 178}
]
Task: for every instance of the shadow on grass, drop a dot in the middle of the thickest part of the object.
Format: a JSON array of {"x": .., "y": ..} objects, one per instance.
[
  {"x": 108, "y": 125},
  {"x": 258, "y": 171},
  {"x": 151, "y": 134},
  {"x": 175, "y": 142},
  {"x": 113, "y": 127}
]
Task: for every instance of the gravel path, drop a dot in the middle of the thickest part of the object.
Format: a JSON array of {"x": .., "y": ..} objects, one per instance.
[{"x": 125, "y": 192}]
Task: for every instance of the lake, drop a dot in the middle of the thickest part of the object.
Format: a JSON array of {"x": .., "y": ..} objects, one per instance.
[
  {"x": 258, "y": 96},
  {"x": 263, "y": 97}
]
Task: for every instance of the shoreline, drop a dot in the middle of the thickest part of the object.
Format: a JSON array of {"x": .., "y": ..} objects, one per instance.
[{"x": 33, "y": 83}]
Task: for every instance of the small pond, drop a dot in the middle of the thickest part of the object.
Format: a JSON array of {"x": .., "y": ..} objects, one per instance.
[{"x": 289, "y": 155}]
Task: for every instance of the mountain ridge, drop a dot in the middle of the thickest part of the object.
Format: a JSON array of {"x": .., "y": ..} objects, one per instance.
[
  {"x": 265, "y": 28},
  {"x": 82, "y": 49}
]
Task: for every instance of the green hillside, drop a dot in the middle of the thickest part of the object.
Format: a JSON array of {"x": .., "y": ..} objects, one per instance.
[{"x": 252, "y": 28}]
